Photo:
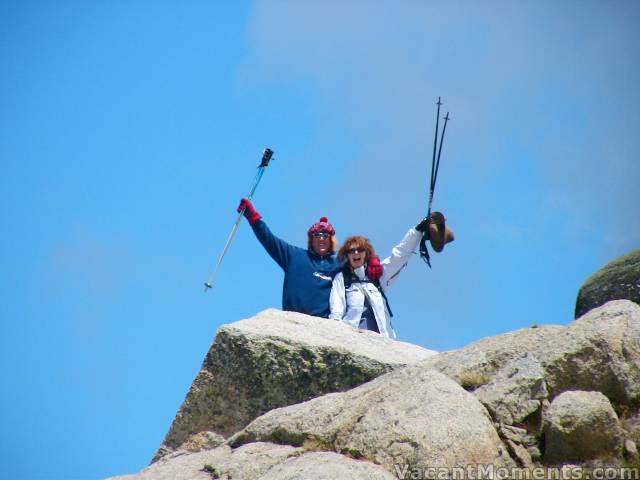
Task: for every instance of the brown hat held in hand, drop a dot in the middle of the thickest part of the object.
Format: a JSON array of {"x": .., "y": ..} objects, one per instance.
[{"x": 439, "y": 233}]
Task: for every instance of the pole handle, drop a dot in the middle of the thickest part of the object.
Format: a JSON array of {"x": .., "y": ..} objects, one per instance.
[{"x": 266, "y": 157}]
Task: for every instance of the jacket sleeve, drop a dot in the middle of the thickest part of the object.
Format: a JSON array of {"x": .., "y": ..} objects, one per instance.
[
  {"x": 400, "y": 256},
  {"x": 277, "y": 248},
  {"x": 337, "y": 299}
]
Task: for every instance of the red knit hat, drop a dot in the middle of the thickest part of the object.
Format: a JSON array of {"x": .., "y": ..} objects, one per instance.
[{"x": 322, "y": 226}]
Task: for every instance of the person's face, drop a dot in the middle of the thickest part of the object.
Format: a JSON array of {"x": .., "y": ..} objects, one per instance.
[
  {"x": 357, "y": 256},
  {"x": 321, "y": 243}
]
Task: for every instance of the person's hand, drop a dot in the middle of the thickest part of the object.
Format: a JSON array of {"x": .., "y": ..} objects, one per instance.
[
  {"x": 374, "y": 268},
  {"x": 423, "y": 225},
  {"x": 249, "y": 211},
  {"x": 437, "y": 219}
]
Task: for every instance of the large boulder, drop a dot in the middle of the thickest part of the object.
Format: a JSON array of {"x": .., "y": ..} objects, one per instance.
[
  {"x": 617, "y": 280},
  {"x": 515, "y": 373},
  {"x": 581, "y": 426},
  {"x": 505, "y": 372},
  {"x": 516, "y": 390},
  {"x": 412, "y": 419},
  {"x": 599, "y": 351},
  {"x": 272, "y": 360}
]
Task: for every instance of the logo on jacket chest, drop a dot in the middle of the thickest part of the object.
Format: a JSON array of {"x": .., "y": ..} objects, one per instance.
[{"x": 322, "y": 276}]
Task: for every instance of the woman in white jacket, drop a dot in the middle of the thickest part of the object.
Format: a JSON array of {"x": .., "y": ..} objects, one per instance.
[{"x": 361, "y": 302}]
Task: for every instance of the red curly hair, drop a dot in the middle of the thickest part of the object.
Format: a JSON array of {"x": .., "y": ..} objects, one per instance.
[{"x": 356, "y": 241}]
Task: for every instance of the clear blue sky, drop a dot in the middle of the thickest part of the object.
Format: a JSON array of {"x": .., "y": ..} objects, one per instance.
[{"x": 130, "y": 130}]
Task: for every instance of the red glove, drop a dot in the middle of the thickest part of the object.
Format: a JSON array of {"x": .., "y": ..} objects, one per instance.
[
  {"x": 249, "y": 212},
  {"x": 374, "y": 268}
]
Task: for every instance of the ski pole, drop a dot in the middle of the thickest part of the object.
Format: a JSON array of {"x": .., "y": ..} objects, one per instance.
[
  {"x": 435, "y": 176},
  {"x": 424, "y": 252},
  {"x": 266, "y": 157},
  {"x": 433, "y": 160},
  {"x": 435, "y": 167}
]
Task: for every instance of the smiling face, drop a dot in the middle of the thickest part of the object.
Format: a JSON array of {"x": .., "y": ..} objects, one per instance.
[
  {"x": 356, "y": 255},
  {"x": 356, "y": 251},
  {"x": 321, "y": 243}
]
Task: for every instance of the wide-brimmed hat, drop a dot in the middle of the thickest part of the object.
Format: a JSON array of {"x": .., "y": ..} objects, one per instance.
[{"x": 439, "y": 233}]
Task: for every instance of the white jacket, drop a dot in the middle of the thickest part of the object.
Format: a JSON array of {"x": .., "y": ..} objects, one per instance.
[{"x": 348, "y": 305}]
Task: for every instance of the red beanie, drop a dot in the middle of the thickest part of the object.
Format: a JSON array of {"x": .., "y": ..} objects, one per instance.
[{"x": 322, "y": 226}]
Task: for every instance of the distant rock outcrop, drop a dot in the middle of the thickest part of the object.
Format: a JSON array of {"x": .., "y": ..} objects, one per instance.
[
  {"x": 617, "y": 280},
  {"x": 287, "y": 396}
]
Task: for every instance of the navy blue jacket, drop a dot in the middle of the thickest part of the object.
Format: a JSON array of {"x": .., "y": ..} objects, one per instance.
[{"x": 307, "y": 276}]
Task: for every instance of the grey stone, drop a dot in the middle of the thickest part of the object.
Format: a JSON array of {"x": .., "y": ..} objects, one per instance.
[
  {"x": 519, "y": 453},
  {"x": 326, "y": 466},
  {"x": 516, "y": 434},
  {"x": 598, "y": 351},
  {"x": 202, "y": 441},
  {"x": 617, "y": 280},
  {"x": 581, "y": 426},
  {"x": 521, "y": 444},
  {"x": 516, "y": 390},
  {"x": 631, "y": 450},
  {"x": 249, "y": 462},
  {"x": 475, "y": 365},
  {"x": 412, "y": 417},
  {"x": 515, "y": 373},
  {"x": 631, "y": 426},
  {"x": 276, "y": 359}
]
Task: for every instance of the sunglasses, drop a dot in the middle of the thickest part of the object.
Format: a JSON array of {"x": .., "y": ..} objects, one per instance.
[
  {"x": 355, "y": 250},
  {"x": 321, "y": 235}
]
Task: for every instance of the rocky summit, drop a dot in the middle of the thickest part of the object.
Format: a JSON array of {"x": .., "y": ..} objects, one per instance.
[
  {"x": 273, "y": 360},
  {"x": 288, "y": 396}
]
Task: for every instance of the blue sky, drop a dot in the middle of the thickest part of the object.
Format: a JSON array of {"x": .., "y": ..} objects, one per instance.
[{"x": 130, "y": 130}]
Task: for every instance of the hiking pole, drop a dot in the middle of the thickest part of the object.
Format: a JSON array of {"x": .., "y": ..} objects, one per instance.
[
  {"x": 435, "y": 167},
  {"x": 435, "y": 176},
  {"x": 424, "y": 253},
  {"x": 266, "y": 157},
  {"x": 433, "y": 159}
]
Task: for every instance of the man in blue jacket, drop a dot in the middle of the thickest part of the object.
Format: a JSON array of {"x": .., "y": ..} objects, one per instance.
[{"x": 308, "y": 273}]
